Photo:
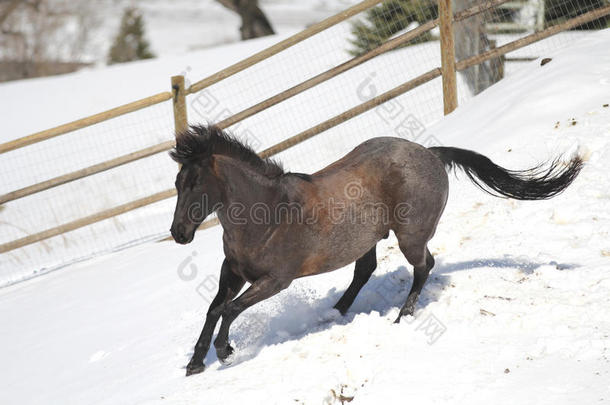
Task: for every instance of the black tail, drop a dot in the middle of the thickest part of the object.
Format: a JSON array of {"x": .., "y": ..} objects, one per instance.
[{"x": 538, "y": 183}]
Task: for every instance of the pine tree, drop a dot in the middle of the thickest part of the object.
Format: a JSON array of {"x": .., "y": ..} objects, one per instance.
[
  {"x": 130, "y": 44},
  {"x": 387, "y": 19}
]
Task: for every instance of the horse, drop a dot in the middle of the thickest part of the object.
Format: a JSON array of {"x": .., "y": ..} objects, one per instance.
[{"x": 279, "y": 226}]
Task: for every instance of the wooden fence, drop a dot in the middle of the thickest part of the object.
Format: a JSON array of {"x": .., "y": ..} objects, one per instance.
[{"x": 447, "y": 70}]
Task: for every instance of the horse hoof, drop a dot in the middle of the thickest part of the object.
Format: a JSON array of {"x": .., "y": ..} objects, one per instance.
[
  {"x": 228, "y": 360},
  {"x": 225, "y": 356},
  {"x": 408, "y": 312},
  {"x": 341, "y": 310},
  {"x": 194, "y": 369}
]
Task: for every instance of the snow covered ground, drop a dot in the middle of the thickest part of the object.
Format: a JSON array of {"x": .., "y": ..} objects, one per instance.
[
  {"x": 517, "y": 309},
  {"x": 179, "y": 32}
]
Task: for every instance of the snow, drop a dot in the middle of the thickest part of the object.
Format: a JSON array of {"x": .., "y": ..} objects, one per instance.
[
  {"x": 60, "y": 99},
  {"x": 174, "y": 27},
  {"x": 515, "y": 311},
  {"x": 38, "y": 104}
]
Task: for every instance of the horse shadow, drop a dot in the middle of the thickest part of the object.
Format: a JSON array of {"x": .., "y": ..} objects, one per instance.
[{"x": 295, "y": 313}]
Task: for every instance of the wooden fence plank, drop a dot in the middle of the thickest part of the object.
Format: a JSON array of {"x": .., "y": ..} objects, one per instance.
[
  {"x": 179, "y": 102},
  {"x": 447, "y": 56},
  {"x": 537, "y": 36},
  {"x": 85, "y": 122},
  {"x": 351, "y": 113},
  {"x": 329, "y": 74},
  {"x": 87, "y": 171},
  {"x": 280, "y": 46},
  {"x": 91, "y": 219}
]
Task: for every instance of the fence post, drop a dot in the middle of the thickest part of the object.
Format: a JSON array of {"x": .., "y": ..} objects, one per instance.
[
  {"x": 179, "y": 99},
  {"x": 447, "y": 56}
]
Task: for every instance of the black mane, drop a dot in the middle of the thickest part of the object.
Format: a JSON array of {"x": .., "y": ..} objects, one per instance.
[{"x": 200, "y": 142}]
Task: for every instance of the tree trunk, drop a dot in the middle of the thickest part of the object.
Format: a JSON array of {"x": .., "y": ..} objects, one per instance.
[
  {"x": 254, "y": 23},
  {"x": 470, "y": 40}
]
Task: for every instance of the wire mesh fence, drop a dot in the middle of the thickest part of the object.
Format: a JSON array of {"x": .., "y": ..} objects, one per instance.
[
  {"x": 86, "y": 196},
  {"x": 408, "y": 116}
]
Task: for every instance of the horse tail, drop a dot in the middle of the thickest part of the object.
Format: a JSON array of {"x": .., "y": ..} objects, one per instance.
[{"x": 541, "y": 182}]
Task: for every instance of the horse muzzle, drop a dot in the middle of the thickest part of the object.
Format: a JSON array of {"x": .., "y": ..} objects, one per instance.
[{"x": 180, "y": 235}]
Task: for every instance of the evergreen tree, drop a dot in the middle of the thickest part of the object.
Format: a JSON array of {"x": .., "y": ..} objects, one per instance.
[
  {"x": 130, "y": 44},
  {"x": 385, "y": 20}
]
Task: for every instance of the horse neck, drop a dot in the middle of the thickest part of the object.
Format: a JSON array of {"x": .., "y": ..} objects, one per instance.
[{"x": 245, "y": 185}]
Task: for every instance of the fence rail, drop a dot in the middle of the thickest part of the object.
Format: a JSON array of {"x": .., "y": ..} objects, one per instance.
[
  {"x": 535, "y": 37},
  {"x": 87, "y": 171},
  {"x": 179, "y": 95},
  {"x": 282, "y": 45},
  {"x": 88, "y": 220},
  {"x": 85, "y": 122},
  {"x": 447, "y": 70}
]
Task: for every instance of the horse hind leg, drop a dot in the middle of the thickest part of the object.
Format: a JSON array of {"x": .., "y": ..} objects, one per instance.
[
  {"x": 422, "y": 261},
  {"x": 365, "y": 266}
]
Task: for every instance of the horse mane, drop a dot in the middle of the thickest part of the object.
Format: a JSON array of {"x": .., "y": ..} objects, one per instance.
[{"x": 200, "y": 142}]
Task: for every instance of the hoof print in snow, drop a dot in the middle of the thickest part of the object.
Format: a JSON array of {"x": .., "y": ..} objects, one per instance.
[
  {"x": 486, "y": 313},
  {"x": 545, "y": 61},
  {"x": 340, "y": 396}
]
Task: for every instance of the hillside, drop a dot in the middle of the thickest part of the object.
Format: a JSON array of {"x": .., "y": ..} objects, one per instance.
[{"x": 515, "y": 311}]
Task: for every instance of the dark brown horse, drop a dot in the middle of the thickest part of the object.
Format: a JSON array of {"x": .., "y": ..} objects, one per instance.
[{"x": 280, "y": 226}]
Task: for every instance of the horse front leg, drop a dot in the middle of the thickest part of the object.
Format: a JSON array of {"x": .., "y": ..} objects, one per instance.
[
  {"x": 229, "y": 286},
  {"x": 260, "y": 290}
]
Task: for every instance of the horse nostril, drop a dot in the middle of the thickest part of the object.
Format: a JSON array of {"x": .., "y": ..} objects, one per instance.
[{"x": 179, "y": 233}]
